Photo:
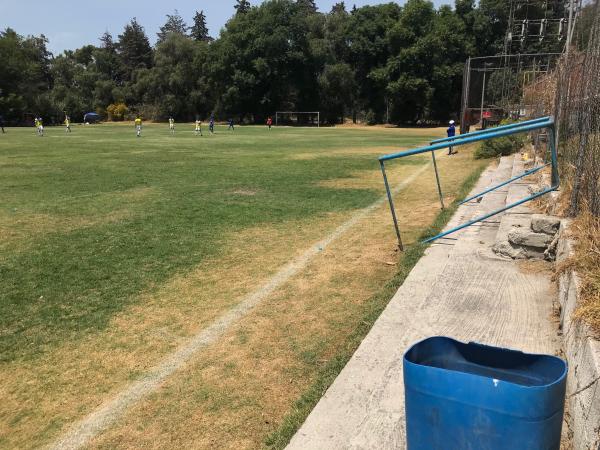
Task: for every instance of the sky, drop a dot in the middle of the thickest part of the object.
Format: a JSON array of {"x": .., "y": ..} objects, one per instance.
[{"x": 72, "y": 24}]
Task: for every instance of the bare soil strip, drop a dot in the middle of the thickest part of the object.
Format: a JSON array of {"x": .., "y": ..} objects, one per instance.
[{"x": 81, "y": 433}]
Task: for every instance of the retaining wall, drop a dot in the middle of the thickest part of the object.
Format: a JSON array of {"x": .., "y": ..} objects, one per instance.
[{"x": 582, "y": 350}]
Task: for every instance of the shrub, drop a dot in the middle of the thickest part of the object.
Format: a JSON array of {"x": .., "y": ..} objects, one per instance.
[
  {"x": 502, "y": 146},
  {"x": 370, "y": 118},
  {"x": 117, "y": 112}
]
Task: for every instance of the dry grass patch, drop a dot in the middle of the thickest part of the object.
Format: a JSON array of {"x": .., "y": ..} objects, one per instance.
[
  {"x": 348, "y": 151},
  {"x": 535, "y": 266},
  {"x": 245, "y": 192},
  {"x": 71, "y": 381},
  {"x": 19, "y": 227},
  {"x": 586, "y": 232},
  {"x": 236, "y": 392}
]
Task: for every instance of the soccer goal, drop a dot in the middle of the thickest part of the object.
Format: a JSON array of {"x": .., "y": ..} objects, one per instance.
[{"x": 298, "y": 118}]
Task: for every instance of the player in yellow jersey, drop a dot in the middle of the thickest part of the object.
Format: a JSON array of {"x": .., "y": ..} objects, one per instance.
[
  {"x": 138, "y": 126},
  {"x": 40, "y": 126},
  {"x": 67, "y": 124},
  {"x": 198, "y": 130}
]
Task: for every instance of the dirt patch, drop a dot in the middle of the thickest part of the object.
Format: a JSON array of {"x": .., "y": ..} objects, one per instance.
[
  {"x": 535, "y": 266},
  {"x": 320, "y": 153}
]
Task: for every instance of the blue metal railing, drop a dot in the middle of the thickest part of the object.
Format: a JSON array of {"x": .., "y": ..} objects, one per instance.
[
  {"x": 489, "y": 130},
  {"x": 476, "y": 136}
]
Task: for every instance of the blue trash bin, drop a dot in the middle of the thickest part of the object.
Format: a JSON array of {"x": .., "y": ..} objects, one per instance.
[{"x": 470, "y": 396}]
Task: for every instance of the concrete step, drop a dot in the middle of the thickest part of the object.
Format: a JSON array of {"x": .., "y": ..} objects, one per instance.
[
  {"x": 478, "y": 207},
  {"x": 518, "y": 217}
]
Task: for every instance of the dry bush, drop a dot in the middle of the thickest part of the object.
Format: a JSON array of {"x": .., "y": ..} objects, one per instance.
[{"x": 586, "y": 231}]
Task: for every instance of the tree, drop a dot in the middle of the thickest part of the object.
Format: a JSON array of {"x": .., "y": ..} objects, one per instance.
[
  {"x": 242, "y": 6},
  {"x": 199, "y": 31},
  {"x": 308, "y": 4},
  {"x": 337, "y": 88},
  {"x": 338, "y": 8},
  {"x": 378, "y": 61},
  {"x": 107, "y": 60},
  {"x": 134, "y": 49},
  {"x": 174, "y": 24},
  {"x": 25, "y": 76},
  {"x": 178, "y": 64}
]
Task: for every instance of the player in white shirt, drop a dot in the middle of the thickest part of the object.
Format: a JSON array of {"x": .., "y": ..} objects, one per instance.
[{"x": 172, "y": 125}]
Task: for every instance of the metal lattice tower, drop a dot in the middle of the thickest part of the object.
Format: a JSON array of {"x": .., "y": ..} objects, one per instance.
[{"x": 536, "y": 26}]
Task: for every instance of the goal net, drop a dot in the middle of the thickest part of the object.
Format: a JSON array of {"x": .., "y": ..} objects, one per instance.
[{"x": 298, "y": 118}]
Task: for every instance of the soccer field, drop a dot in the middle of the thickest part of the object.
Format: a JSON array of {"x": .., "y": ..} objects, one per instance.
[{"x": 117, "y": 250}]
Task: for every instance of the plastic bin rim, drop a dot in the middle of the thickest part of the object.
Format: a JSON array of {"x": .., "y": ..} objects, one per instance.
[{"x": 520, "y": 386}]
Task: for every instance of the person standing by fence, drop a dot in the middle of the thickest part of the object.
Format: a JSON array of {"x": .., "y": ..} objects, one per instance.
[{"x": 451, "y": 132}]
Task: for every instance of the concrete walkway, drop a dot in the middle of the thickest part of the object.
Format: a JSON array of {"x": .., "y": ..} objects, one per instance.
[{"x": 458, "y": 289}]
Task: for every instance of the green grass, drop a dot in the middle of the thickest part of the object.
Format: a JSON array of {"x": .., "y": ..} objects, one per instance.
[
  {"x": 96, "y": 217},
  {"x": 372, "y": 309}
]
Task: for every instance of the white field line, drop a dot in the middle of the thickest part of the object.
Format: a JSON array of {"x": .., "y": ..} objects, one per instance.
[{"x": 92, "y": 425}]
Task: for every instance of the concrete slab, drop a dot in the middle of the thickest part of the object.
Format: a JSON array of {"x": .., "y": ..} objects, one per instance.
[{"x": 455, "y": 290}]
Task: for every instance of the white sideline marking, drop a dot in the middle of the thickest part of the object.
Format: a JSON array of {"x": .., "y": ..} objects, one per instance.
[{"x": 92, "y": 425}]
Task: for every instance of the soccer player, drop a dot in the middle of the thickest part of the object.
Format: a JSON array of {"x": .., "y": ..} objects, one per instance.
[
  {"x": 2, "y": 124},
  {"x": 231, "y": 127},
  {"x": 451, "y": 131},
  {"x": 138, "y": 126},
  {"x": 269, "y": 122},
  {"x": 211, "y": 124},
  {"x": 172, "y": 125},
  {"x": 40, "y": 126},
  {"x": 67, "y": 124},
  {"x": 198, "y": 130}
]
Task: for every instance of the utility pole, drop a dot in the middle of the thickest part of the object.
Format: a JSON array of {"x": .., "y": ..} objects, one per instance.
[{"x": 570, "y": 26}]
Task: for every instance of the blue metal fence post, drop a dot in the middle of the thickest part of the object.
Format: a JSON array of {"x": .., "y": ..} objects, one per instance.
[
  {"x": 437, "y": 179},
  {"x": 391, "y": 201},
  {"x": 507, "y": 130},
  {"x": 554, "y": 155}
]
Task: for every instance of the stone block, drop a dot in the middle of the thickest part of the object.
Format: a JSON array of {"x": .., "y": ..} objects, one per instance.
[
  {"x": 541, "y": 223},
  {"x": 529, "y": 238}
]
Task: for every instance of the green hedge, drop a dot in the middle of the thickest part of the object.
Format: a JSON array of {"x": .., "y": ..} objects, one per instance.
[{"x": 502, "y": 146}]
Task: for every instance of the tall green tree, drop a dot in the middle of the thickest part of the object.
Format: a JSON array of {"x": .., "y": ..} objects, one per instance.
[
  {"x": 242, "y": 6},
  {"x": 199, "y": 31},
  {"x": 383, "y": 61},
  {"x": 174, "y": 25},
  {"x": 107, "y": 59},
  {"x": 134, "y": 49},
  {"x": 174, "y": 85},
  {"x": 25, "y": 76}
]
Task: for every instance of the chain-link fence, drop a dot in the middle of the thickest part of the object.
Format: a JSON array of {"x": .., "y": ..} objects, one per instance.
[
  {"x": 571, "y": 92},
  {"x": 577, "y": 112}
]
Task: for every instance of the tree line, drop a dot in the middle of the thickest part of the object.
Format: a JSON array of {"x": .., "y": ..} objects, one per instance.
[{"x": 382, "y": 63}]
